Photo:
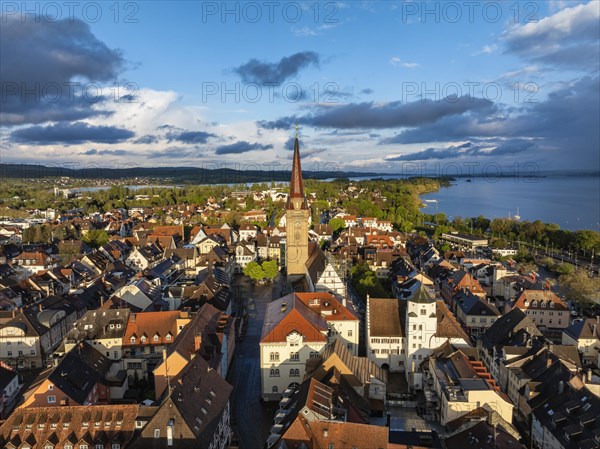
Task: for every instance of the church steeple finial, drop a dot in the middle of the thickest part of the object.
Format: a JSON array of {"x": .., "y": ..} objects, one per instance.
[{"x": 296, "y": 131}]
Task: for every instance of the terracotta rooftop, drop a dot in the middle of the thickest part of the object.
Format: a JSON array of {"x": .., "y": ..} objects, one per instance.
[
  {"x": 288, "y": 314},
  {"x": 57, "y": 426},
  {"x": 150, "y": 324}
]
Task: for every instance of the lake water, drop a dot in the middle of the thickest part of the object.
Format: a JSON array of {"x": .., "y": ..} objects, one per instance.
[{"x": 571, "y": 202}]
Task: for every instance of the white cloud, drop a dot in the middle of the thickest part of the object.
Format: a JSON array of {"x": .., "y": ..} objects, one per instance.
[
  {"x": 486, "y": 50},
  {"x": 396, "y": 61},
  {"x": 576, "y": 23}
]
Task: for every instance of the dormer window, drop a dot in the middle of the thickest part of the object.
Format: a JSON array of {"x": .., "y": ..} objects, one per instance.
[
  {"x": 526, "y": 303},
  {"x": 534, "y": 304},
  {"x": 542, "y": 304},
  {"x": 143, "y": 339},
  {"x": 168, "y": 337},
  {"x": 132, "y": 340},
  {"x": 551, "y": 305},
  {"x": 155, "y": 338}
]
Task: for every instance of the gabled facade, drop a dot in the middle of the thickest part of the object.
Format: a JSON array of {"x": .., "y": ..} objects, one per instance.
[
  {"x": 292, "y": 334},
  {"x": 402, "y": 333}
]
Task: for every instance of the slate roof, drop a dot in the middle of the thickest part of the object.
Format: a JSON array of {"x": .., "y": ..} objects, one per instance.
[
  {"x": 77, "y": 373},
  {"x": 194, "y": 409},
  {"x": 572, "y": 417},
  {"x": 506, "y": 326},
  {"x": 587, "y": 329},
  {"x": 100, "y": 324}
]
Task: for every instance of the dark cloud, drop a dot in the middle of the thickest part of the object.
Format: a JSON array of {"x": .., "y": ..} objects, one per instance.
[
  {"x": 472, "y": 149},
  {"x": 289, "y": 144},
  {"x": 191, "y": 137},
  {"x": 241, "y": 147},
  {"x": 175, "y": 153},
  {"x": 255, "y": 71},
  {"x": 45, "y": 57},
  {"x": 569, "y": 115},
  {"x": 94, "y": 152},
  {"x": 369, "y": 115},
  {"x": 147, "y": 139},
  {"x": 70, "y": 134},
  {"x": 175, "y": 134}
]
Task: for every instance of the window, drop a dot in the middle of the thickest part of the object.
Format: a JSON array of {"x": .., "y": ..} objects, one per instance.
[
  {"x": 168, "y": 337},
  {"x": 156, "y": 433},
  {"x": 10, "y": 353},
  {"x": 68, "y": 446},
  {"x": 155, "y": 338},
  {"x": 350, "y": 333},
  {"x": 132, "y": 340},
  {"x": 83, "y": 446},
  {"x": 423, "y": 312},
  {"x": 295, "y": 356},
  {"x": 50, "y": 387},
  {"x": 294, "y": 372},
  {"x": 51, "y": 399},
  {"x": 275, "y": 389},
  {"x": 274, "y": 357},
  {"x": 274, "y": 372},
  {"x": 116, "y": 446},
  {"x": 99, "y": 446}
]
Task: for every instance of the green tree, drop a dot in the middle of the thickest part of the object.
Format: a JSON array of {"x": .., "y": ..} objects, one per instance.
[
  {"x": 588, "y": 240},
  {"x": 581, "y": 287},
  {"x": 270, "y": 269},
  {"x": 254, "y": 271},
  {"x": 337, "y": 224},
  {"x": 96, "y": 238}
]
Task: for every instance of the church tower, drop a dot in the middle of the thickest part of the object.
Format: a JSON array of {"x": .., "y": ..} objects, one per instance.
[{"x": 297, "y": 214}]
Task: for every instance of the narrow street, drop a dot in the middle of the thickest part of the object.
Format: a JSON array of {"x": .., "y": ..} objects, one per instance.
[{"x": 251, "y": 418}]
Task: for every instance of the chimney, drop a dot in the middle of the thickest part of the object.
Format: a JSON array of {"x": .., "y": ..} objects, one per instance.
[
  {"x": 561, "y": 387},
  {"x": 197, "y": 342},
  {"x": 132, "y": 317}
]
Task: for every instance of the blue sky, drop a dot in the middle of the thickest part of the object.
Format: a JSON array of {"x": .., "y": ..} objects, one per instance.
[{"x": 385, "y": 85}]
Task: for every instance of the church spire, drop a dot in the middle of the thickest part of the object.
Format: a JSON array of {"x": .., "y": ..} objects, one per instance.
[{"x": 296, "y": 197}]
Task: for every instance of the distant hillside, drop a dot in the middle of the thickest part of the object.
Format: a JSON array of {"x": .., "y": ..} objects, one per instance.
[{"x": 177, "y": 174}]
